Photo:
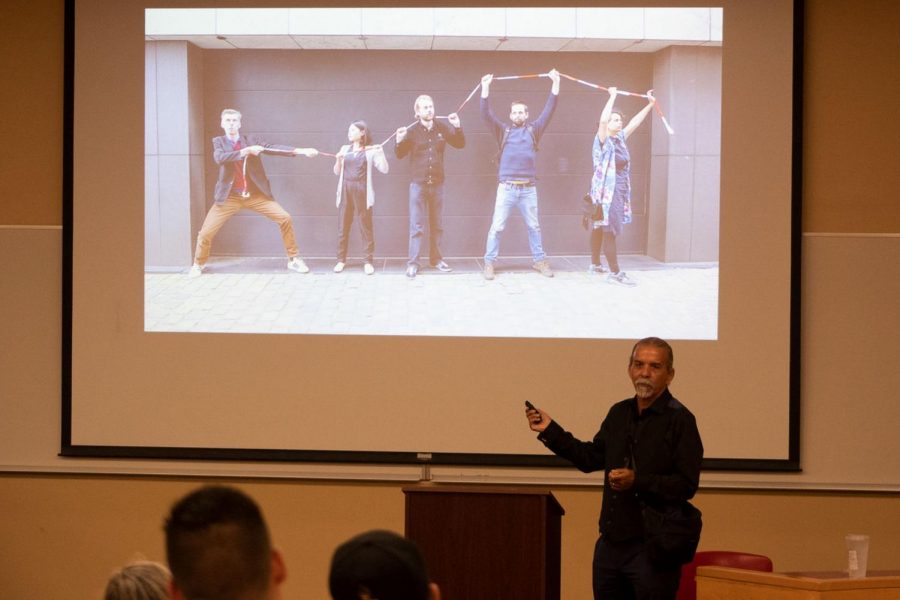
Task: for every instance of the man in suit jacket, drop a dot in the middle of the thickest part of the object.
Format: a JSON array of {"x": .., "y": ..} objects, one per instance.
[{"x": 242, "y": 183}]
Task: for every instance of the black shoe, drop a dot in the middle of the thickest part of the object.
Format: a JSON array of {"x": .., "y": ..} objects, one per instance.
[
  {"x": 411, "y": 271},
  {"x": 442, "y": 266}
]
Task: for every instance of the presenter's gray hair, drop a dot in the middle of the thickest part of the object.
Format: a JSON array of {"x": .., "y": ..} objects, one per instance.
[{"x": 658, "y": 343}]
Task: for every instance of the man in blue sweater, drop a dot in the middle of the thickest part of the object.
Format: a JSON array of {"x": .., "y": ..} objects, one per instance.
[{"x": 518, "y": 146}]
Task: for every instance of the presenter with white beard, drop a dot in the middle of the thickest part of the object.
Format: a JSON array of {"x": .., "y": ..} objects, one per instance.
[{"x": 650, "y": 451}]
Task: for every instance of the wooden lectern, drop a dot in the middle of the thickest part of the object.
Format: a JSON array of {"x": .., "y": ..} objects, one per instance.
[{"x": 487, "y": 543}]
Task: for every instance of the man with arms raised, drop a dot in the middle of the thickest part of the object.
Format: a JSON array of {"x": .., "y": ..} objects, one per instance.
[
  {"x": 650, "y": 451},
  {"x": 517, "y": 188}
]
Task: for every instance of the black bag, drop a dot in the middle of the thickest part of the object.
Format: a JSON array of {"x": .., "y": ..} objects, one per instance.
[
  {"x": 589, "y": 211},
  {"x": 672, "y": 535}
]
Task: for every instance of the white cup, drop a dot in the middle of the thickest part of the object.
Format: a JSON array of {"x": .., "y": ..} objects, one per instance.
[{"x": 857, "y": 554}]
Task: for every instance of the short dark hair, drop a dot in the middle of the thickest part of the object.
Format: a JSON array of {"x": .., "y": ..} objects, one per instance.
[
  {"x": 514, "y": 102},
  {"x": 217, "y": 545},
  {"x": 658, "y": 343},
  {"x": 381, "y": 564}
]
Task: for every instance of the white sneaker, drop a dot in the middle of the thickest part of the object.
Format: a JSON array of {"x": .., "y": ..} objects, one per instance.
[
  {"x": 368, "y": 268},
  {"x": 621, "y": 278},
  {"x": 297, "y": 264},
  {"x": 339, "y": 267},
  {"x": 196, "y": 271}
]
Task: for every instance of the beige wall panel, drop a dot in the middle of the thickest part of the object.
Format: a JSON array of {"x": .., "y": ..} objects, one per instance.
[
  {"x": 31, "y": 60},
  {"x": 850, "y": 173}
]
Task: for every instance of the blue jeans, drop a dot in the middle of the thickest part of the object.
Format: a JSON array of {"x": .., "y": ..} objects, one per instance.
[
  {"x": 426, "y": 197},
  {"x": 622, "y": 571},
  {"x": 510, "y": 196}
]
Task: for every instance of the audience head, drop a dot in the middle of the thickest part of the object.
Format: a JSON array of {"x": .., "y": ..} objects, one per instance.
[
  {"x": 140, "y": 580},
  {"x": 218, "y": 547},
  {"x": 380, "y": 565}
]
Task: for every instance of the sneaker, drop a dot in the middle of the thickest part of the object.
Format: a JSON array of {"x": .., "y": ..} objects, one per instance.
[
  {"x": 196, "y": 271},
  {"x": 488, "y": 271},
  {"x": 621, "y": 278},
  {"x": 598, "y": 269},
  {"x": 339, "y": 266},
  {"x": 442, "y": 266},
  {"x": 411, "y": 271},
  {"x": 297, "y": 264},
  {"x": 368, "y": 268},
  {"x": 543, "y": 267}
]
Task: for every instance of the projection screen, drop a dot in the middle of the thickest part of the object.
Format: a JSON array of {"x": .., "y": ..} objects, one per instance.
[{"x": 253, "y": 361}]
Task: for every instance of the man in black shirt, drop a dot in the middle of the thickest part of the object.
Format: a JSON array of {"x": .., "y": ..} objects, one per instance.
[
  {"x": 650, "y": 450},
  {"x": 424, "y": 142}
]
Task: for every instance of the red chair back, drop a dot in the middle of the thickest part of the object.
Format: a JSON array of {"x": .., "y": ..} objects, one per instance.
[{"x": 687, "y": 590}]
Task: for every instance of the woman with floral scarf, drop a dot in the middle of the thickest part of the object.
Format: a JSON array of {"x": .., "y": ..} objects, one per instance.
[{"x": 611, "y": 186}]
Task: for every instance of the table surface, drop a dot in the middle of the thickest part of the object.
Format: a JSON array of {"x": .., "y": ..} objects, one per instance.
[
  {"x": 807, "y": 580},
  {"x": 838, "y": 574}
]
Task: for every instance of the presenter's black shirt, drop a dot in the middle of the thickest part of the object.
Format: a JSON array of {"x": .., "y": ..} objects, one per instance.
[{"x": 663, "y": 447}]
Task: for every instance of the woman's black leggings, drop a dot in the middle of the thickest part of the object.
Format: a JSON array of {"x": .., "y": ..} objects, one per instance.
[{"x": 608, "y": 244}]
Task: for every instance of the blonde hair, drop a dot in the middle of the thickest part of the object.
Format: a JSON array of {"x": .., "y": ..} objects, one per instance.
[
  {"x": 141, "y": 580},
  {"x": 416, "y": 103}
]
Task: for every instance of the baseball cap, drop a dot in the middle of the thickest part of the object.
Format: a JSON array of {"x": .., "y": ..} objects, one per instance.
[{"x": 382, "y": 563}]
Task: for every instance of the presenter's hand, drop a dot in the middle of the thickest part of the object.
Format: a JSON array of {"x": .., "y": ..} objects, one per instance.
[
  {"x": 554, "y": 76},
  {"x": 651, "y": 99},
  {"x": 621, "y": 479},
  {"x": 401, "y": 133},
  {"x": 454, "y": 119},
  {"x": 538, "y": 420},
  {"x": 255, "y": 150}
]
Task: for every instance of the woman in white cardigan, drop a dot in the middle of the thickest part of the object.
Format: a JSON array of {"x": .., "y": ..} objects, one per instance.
[{"x": 355, "y": 193}]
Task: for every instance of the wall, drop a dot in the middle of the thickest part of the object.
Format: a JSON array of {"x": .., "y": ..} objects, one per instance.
[
  {"x": 83, "y": 526},
  {"x": 280, "y": 92}
]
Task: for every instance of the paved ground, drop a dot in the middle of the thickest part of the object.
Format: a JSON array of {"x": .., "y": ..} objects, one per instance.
[{"x": 260, "y": 295}]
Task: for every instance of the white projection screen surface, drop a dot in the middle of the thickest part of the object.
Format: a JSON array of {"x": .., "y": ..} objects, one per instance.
[{"x": 145, "y": 86}]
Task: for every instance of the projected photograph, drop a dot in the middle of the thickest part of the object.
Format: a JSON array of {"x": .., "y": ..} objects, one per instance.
[{"x": 490, "y": 172}]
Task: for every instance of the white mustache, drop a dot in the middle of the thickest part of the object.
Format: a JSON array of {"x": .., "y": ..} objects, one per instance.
[{"x": 643, "y": 387}]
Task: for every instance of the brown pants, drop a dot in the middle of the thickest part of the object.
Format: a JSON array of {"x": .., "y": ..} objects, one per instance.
[{"x": 219, "y": 214}]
